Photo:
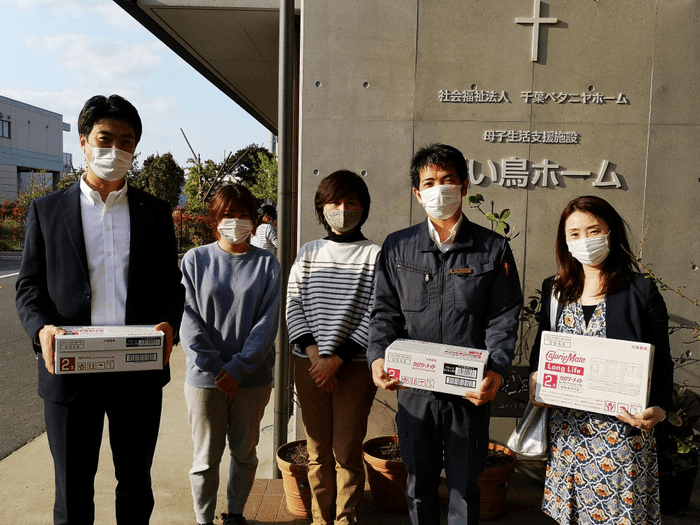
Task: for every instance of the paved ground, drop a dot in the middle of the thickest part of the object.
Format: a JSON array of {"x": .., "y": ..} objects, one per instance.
[{"x": 21, "y": 409}]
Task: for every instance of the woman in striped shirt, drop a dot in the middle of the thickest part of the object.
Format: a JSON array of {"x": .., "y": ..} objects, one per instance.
[{"x": 328, "y": 304}]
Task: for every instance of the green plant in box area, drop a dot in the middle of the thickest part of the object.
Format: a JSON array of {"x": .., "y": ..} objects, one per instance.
[
  {"x": 679, "y": 443},
  {"x": 497, "y": 219},
  {"x": 678, "y": 452}
]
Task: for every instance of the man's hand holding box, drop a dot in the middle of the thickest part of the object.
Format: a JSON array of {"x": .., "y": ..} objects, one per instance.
[{"x": 434, "y": 366}]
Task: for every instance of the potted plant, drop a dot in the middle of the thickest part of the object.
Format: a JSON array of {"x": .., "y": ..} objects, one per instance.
[
  {"x": 292, "y": 460},
  {"x": 679, "y": 452},
  {"x": 494, "y": 481},
  {"x": 386, "y": 475}
]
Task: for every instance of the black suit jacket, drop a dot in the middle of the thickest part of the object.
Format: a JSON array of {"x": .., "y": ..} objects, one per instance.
[
  {"x": 53, "y": 286},
  {"x": 637, "y": 313}
]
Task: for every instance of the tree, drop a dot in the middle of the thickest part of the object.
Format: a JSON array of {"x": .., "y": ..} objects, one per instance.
[
  {"x": 70, "y": 178},
  {"x": 244, "y": 165},
  {"x": 38, "y": 185},
  {"x": 135, "y": 170},
  {"x": 265, "y": 186},
  {"x": 161, "y": 176},
  {"x": 202, "y": 178},
  {"x": 13, "y": 211}
]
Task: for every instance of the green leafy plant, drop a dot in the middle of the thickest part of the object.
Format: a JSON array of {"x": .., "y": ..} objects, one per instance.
[
  {"x": 679, "y": 444},
  {"x": 264, "y": 189},
  {"x": 497, "y": 219}
]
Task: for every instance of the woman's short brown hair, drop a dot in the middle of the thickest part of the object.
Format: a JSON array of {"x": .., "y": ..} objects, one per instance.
[
  {"x": 227, "y": 197},
  {"x": 339, "y": 185}
]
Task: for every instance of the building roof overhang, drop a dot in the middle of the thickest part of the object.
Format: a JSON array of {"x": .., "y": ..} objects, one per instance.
[{"x": 232, "y": 43}]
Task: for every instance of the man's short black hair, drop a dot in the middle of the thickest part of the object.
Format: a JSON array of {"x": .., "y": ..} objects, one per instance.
[
  {"x": 114, "y": 107},
  {"x": 438, "y": 155}
]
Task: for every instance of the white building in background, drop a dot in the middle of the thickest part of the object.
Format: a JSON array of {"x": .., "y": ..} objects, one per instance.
[
  {"x": 67, "y": 161},
  {"x": 31, "y": 140}
]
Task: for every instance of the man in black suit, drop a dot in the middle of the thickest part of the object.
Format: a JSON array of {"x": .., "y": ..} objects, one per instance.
[{"x": 101, "y": 253}]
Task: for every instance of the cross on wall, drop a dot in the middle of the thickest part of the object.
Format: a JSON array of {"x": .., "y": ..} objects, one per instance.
[{"x": 536, "y": 20}]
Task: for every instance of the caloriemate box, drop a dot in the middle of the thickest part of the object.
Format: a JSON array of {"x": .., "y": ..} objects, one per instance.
[
  {"x": 90, "y": 349},
  {"x": 434, "y": 366},
  {"x": 594, "y": 373}
]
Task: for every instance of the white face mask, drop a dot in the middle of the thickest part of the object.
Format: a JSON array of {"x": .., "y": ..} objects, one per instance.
[
  {"x": 590, "y": 251},
  {"x": 235, "y": 231},
  {"x": 343, "y": 221},
  {"x": 441, "y": 202},
  {"x": 110, "y": 164}
]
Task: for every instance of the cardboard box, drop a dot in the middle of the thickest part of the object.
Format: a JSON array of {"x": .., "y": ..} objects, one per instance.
[
  {"x": 594, "y": 373},
  {"x": 436, "y": 367},
  {"x": 91, "y": 349}
]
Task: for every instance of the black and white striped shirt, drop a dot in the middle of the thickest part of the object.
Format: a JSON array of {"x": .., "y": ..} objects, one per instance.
[{"x": 329, "y": 295}]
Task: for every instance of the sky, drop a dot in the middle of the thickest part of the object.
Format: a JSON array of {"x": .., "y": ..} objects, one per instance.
[{"x": 58, "y": 53}]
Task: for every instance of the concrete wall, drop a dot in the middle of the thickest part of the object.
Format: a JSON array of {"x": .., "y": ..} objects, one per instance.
[
  {"x": 370, "y": 96},
  {"x": 35, "y": 143},
  {"x": 8, "y": 182}
]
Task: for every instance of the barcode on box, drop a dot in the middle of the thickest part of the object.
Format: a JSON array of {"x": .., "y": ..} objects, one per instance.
[
  {"x": 141, "y": 358},
  {"x": 462, "y": 371},
  {"x": 460, "y": 381},
  {"x": 142, "y": 341}
]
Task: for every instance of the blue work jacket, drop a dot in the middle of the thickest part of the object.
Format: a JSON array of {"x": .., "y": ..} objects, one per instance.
[{"x": 469, "y": 296}]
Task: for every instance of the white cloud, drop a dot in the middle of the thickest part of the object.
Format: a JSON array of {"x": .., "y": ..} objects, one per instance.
[
  {"x": 116, "y": 16},
  {"x": 62, "y": 52},
  {"x": 62, "y": 101},
  {"x": 30, "y": 5},
  {"x": 94, "y": 59},
  {"x": 106, "y": 9},
  {"x": 165, "y": 105},
  {"x": 63, "y": 8}
]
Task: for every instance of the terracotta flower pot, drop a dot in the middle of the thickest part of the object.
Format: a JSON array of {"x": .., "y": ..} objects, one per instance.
[
  {"x": 387, "y": 482},
  {"x": 295, "y": 480},
  {"x": 493, "y": 484},
  {"x": 387, "y": 478}
]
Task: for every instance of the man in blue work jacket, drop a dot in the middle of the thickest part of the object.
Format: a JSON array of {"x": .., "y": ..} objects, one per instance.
[{"x": 445, "y": 280}]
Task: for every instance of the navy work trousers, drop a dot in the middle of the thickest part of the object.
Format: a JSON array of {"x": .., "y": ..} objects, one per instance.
[
  {"x": 439, "y": 431},
  {"x": 75, "y": 434}
]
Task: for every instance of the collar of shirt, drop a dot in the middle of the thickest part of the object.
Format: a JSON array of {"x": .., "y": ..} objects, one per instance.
[
  {"x": 107, "y": 233},
  {"x": 447, "y": 243},
  {"x": 93, "y": 197}
]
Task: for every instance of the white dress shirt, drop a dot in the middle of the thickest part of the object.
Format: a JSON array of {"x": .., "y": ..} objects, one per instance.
[
  {"x": 447, "y": 243},
  {"x": 106, "y": 228}
]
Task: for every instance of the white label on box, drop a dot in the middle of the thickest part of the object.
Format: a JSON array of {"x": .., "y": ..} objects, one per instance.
[
  {"x": 592, "y": 373},
  {"x": 434, "y": 366},
  {"x": 90, "y": 349}
]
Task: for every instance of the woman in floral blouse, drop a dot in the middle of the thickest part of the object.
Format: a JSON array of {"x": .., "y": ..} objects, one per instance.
[{"x": 603, "y": 469}]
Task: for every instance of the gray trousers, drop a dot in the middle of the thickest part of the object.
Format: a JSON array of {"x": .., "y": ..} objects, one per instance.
[
  {"x": 436, "y": 431},
  {"x": 214, "y": 417}
]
